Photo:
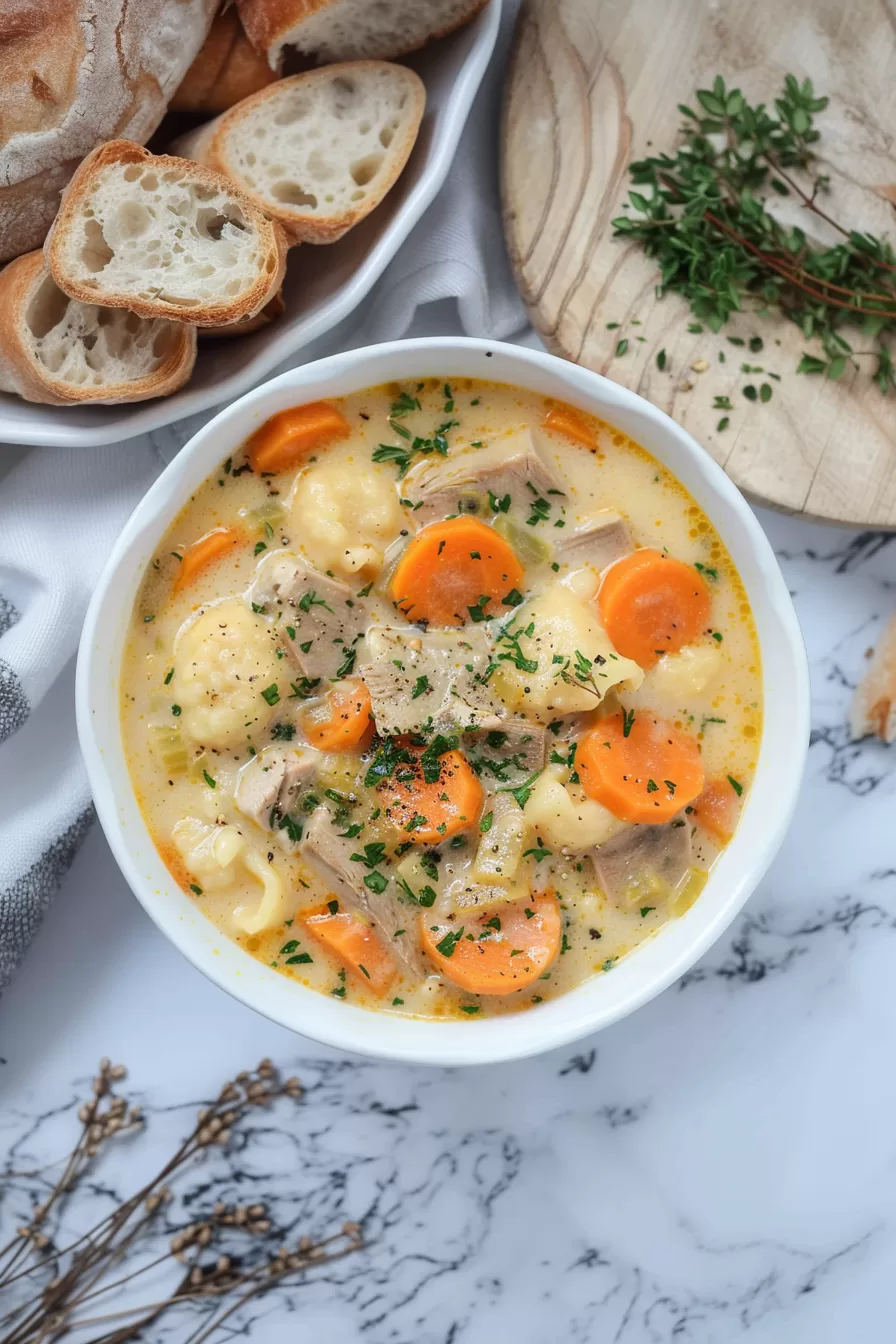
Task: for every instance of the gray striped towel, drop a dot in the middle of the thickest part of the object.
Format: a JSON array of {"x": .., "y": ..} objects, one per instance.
[{"x": 62, "y": 509}]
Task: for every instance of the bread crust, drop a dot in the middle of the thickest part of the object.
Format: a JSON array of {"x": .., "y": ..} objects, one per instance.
[
  {"x": 271, "y": 312},
  {"x": 272, "y": 239},
  {"x": 267, "y": 22},
  {"x": 226, "y": 70},
  {"x": 72, "y": 74},
  {"x": 22, "y": 373},
  {"x": 208, "y": 146}
]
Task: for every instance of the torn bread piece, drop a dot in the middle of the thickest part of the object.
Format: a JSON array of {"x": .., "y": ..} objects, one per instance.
[
  {"x": 873, "y": 711},
  {"x": 317, "y": 151},
  {"x": 341, "y": 30},
  {"x": 56, "y": 350},
  {"x": 163, "y": 237}
]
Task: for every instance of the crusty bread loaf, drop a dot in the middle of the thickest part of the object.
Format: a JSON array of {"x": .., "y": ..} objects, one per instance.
[
  {"x": 346, "y": 30},
  {"x": 56, "y": 350},
  {"x": 227, "y": 69},
  {"x": 74, "y": 73},
  {"x": 320, "y": 150},
  {"x": 164, "y": 237}
]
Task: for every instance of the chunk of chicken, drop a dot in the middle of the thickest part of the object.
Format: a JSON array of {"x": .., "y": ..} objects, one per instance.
[
  {"x": 330, "y": 855},
  {"x": 644, "y": 864},
  {"x": 432, "y": 681},
  {"x": 319, "y": 619},
  {"x": 515, "y": 465}
]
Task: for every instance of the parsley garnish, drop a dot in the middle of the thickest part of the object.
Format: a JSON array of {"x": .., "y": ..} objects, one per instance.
[
  {"x": 311, "y": 599},
  {"x": 449, "y": 942}
]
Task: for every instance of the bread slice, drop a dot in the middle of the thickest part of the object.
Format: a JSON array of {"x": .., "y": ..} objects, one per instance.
[
  {"x": 56, "y": 350},
  {"x": 163, "y": 237},
  {"x": 317, "y": 151},
  {"x": 226, "y": 69},
  {"x": 873, "y": 711},
  {"x": 271, "y": 312},
  {"x": 345, "y": 30}
]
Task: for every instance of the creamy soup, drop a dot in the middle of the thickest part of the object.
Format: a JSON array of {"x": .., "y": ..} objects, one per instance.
[{"x": 440, "y": 698}]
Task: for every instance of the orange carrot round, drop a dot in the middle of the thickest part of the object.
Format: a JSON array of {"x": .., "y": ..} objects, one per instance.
[
  {"x": 651, "y": 604},
  {"x": 505, "y": 948},
  {"x": 455, "y": 571},
  {"x": 287, "y": 438},
  {"x": 717, "y": 810},
  {"x": 428, "y": 813},
  {"x": 639, "y": 767},
  {"x": 204, "y": 552},
  {"x": 358, "y": 946},
  {"x": 344, "y": 721},
  {"x": 565, "y": 420}
]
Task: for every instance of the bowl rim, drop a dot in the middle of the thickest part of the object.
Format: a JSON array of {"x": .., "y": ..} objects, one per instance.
[{"x": 651, "y": 966}]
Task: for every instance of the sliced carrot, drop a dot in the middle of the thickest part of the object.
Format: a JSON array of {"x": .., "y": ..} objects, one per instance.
[
  {"x": 505, "y": 948},
  {"x": 564, "y": 420},
  {"x": 289, "y": 436},
  {"x": 639, "y": 767},
  {"x": 358, "y": 946},
  {"x": 652, "y": 604},
  {"x": 428, "y": 813},
  {"x": 455, "y": 571},
  {"x": 717, "y": 810},
  {"x": 344, "y": 721},
  {"x": 205, "y": 552}
]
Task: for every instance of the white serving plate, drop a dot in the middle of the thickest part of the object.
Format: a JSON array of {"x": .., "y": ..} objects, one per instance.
[
  {"x": 653, "y": 965},
  {"x": 323, "y": 284}
]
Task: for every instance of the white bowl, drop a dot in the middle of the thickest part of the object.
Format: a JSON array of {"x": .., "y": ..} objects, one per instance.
[
  {"x": 646, "y": 970},
  {"x": 323, "y": 285}
]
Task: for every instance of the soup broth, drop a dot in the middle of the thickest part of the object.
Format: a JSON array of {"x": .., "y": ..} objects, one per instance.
[{"x": 441, "y": 698}]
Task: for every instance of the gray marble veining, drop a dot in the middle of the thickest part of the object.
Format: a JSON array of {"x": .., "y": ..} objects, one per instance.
[{"x": 721, "y": 1165}]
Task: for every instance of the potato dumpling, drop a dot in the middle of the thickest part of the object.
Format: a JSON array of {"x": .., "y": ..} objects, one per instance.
[
  {"x": 562, "y": 660},
  {"x": 222, "y": 860},
  {"x": 679, "y": 681},
  {"x": 344, "y": 515},
  {"x": 564, "y": 818},
  {"x": 224, "y": 660}
]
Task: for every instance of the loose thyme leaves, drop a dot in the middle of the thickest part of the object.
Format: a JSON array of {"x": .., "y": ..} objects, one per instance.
[{"x": 701, "y": 213}]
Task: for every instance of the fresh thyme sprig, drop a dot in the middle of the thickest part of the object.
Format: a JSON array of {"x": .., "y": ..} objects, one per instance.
[{"x": 707, "y": 224}]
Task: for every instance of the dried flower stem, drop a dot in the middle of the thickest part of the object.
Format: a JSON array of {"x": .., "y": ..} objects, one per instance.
[{"x": 81, "y": 1270}]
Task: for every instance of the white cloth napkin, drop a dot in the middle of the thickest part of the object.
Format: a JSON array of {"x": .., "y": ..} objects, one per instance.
[{"x": 61, "y": 510}]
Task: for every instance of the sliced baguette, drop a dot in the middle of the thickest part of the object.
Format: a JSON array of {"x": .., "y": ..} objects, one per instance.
[
  {"x": 317, "y": 151},
  {"x": 56, "y": 350},
  {"x": 345, "y": 30},
  {"x": 163, "y": 237},
  {"x": 271, "y": 312},
  {"x": 226, "y": 69}
]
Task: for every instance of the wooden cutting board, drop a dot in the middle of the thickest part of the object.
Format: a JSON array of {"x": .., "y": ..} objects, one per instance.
[{"x": 593, "y": 85}]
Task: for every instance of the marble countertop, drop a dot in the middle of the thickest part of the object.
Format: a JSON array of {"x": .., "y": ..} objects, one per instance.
[{"x": 721, "y": 1164}]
